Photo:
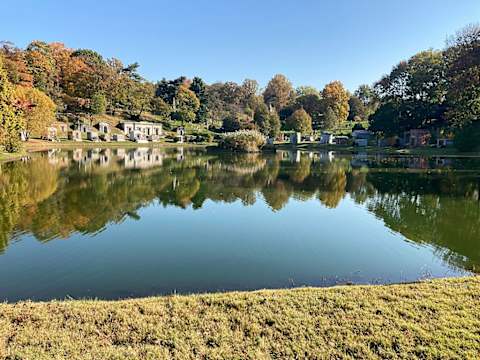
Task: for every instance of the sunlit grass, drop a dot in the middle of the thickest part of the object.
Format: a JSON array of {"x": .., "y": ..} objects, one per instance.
[{"x": 436, "y": 319}]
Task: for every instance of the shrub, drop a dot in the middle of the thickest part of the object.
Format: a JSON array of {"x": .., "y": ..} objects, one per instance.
[
  {"x": 300, "y": 121},
  {"x": 466, "y": 139},
  {"x": 243, "y": 140}
]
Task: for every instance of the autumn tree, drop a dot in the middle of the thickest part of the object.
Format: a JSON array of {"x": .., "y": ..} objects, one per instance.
[
  {"x": 16, "y": 65},
  {"x": 300, "y": 121},
  {"x": 186, "y": 104},
  {"x": 336, "y": 97},
  {"x": 279, "y": 92},
  {"x": 248, "y": 93},
  {"x": 42, "y": 66},
  {"x": 38, "y": 110},
  {"x": 139, "y": 97},
  {"x": 168, "y": 89},
  {"x": 11, "y": 123}
]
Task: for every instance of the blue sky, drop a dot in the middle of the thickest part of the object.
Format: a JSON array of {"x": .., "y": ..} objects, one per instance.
[{"x": 311, "y": 42}]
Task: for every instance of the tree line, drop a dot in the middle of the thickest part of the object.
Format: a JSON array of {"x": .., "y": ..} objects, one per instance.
[{"x": 434, "y": 89}]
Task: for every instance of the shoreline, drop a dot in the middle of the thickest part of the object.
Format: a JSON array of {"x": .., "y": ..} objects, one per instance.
[
  {"x": 429, "y": 319},
  {"x": 443, "y": 152},
  {"x": 42, "y": 145}
]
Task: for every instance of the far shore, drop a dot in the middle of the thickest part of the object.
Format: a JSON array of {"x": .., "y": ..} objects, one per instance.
[
  {"x": 35, "y": 145},
  {"x": 431, "y": 319},
  {"x": 41, "y": 145}
]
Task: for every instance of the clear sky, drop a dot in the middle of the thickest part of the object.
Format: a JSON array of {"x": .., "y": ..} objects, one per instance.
[{"x": 311, "y": 42}]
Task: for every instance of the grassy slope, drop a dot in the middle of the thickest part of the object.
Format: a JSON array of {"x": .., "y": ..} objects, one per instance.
[{"x": 435, "y": 319}]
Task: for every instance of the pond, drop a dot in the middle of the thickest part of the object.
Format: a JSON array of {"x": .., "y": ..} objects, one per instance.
[{"x": 118, "y": 223}]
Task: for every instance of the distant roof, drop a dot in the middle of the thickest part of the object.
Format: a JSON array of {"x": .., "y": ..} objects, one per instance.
[{"x": 139, "y": 122}]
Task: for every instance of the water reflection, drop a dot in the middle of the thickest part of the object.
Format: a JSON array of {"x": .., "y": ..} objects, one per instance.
[{"x": 432, "y": 201}]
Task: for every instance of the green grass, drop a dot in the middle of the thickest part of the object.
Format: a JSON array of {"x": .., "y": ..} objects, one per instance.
[{"x": 437, "y": 319}]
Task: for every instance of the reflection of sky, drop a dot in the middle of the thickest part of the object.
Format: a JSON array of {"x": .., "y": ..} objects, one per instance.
[{"x": 218, "y": 247}]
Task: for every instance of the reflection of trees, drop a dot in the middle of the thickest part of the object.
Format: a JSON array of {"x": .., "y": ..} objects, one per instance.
[
  {"x": 50, "y": 200},
  {"x": 22, "y": 187},
  {"x": 334, "y": 182},
  {"x": 440, "y": 211}
]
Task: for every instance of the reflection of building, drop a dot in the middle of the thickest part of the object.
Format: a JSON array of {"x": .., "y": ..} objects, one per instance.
[
  {"x": 105, "y": 157},
  {"x": 143, "y": 158}
]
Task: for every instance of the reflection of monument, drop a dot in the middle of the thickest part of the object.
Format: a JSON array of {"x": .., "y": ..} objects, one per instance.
[
  {"x": 180, "y": 155},
  {"x": 105, "y": 157},
  {"x": 143, "y": 158}
]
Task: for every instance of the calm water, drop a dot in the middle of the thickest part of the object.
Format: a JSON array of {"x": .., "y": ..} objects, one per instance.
[{"x": 122, "y": 223}]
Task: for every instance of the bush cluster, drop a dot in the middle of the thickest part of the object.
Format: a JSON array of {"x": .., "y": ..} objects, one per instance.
[{"x": 243, "y": 140}]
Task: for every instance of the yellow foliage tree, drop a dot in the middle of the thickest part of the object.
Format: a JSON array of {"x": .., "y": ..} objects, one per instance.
[
  {"x": 38, "y": 109},
  {"x": 336, "y": 97}
]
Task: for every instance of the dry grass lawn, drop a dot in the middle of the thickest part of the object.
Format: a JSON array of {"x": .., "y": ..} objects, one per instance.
[{"x": 430, "y": 320}]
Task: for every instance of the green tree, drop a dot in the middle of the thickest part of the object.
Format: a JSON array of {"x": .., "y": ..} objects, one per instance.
[
  {"x": 161, "y": 108},
  {"x": 198, "y": 86},
  {"x": 413, "y": 93},
  {"x": 268, "y": 123},
  {"x": 357, "y": 111},
  {"x": 313, "y": 105},
  {"x": 463, "y": 77},
  {"x": 306, "y": 90},
  {"x": 237, "y": 121},
  {"x": 329, "y": 120},
  {"x": 300, "y": 121},
  {"x": 99, "y": 103},
  {"x": 369, "y": 98},
  {"x": 11, "y": 123},
  {"x": 466, "y": 137}
]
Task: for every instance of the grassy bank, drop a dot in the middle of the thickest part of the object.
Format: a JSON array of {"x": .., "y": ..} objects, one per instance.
[
  {"x": 434, "y": 319},
  {"x": 11, "y": 156}
]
